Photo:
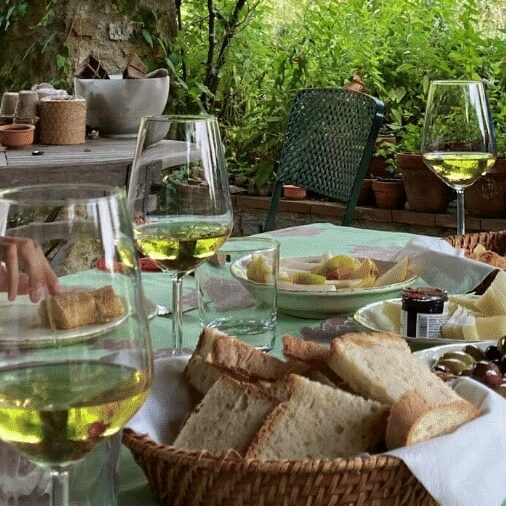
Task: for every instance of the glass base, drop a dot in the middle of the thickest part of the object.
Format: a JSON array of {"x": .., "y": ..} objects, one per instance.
[{"x": 255, "y": 333}]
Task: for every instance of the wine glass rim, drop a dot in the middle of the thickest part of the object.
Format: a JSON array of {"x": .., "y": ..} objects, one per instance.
[
  {"x": 456, "y": 82},
  {"x": 27, "y": 195},
  {"x": 180, "y": 118}
]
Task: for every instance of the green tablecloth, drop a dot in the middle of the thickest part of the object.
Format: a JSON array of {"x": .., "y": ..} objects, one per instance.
[{"x": 314, "y": 239}]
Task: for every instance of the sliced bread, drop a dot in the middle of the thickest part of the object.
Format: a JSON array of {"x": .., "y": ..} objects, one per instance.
[
  {"x": 319, "y": 421},
  {"x": 199, "y": 373},
  {"x": 316, "y": 356},
  {"x": 227, "y": 418},
  {"x": 381, "y": 367},
  {"x": 243, "y": 360},
  {"x": 413, "y": 420}
]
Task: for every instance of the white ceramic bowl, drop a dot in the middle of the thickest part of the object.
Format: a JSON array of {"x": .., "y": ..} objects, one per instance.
[
  {"x": 116, "y": 106},
  {"x": 317, "y": 305}
]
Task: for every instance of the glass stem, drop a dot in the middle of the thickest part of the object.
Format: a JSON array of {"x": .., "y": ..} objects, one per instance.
[
  {"x": 177, "y": 313},
  {"x": 60, "y": 487},
  {"x": 461, "y": 227}
]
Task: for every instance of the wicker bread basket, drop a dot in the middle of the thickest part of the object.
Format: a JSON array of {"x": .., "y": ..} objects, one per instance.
[
  {"x": 180, "y": 478},
  {"x": 493, "y": 241}
]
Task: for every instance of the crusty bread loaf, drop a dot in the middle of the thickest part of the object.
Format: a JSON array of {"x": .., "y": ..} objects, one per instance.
[
  {"x": 75, "y": 308},
  {"x": 381, "y": 367},
  {"x": 319, "y": 422},
  {"x": 413, "y": 419},
  {"x": 228, "y": 418}
]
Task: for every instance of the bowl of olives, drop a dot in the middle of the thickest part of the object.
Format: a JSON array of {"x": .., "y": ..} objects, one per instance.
[{"x": 484, "y": 362}]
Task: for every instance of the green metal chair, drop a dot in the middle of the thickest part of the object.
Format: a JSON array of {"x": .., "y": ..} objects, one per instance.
[{"x": 327, "y": 146}]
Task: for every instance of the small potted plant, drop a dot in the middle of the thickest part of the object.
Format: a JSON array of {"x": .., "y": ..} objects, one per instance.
[{"x": 389, "y": 191}]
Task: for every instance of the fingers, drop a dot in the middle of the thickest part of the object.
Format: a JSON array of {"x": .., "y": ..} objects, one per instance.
[
  {"x": 39, "y": 278},
  {"x": 10, "y": 257}
]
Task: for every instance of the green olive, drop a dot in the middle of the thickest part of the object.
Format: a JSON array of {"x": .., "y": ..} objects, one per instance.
[
  {"x": 455, "y": 366},
  {"x": 475, "y": 352},
  {"x": 501, "y": 389},
  {"x": 462, "y": 356},
  {"x": 501, "y": 345}
]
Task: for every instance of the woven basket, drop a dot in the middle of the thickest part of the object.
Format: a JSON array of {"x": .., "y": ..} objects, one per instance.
[
  {"x": 180, "y": 478},
  {"x": 493, "y": 241}
]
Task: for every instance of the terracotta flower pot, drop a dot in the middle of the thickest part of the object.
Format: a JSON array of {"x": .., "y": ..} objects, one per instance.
[
  {"x": 16, "y": 135},
  {"x": 294, "y": 192},
  {"x": 366, "y": 195},
  {"x": 486, "y": 198},
  {"x": 425, "y": 192},
  {"x": 389, "y": 193}
]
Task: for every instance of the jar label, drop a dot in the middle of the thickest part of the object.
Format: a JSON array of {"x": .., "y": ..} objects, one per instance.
[{"x": 427, "y": 326}]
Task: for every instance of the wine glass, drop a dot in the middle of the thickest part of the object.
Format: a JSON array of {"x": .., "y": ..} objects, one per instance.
[
  {"x": 74, "y": 366},
  {"x": 179, "y": 198},
  {"x": 458, "y": 142}
]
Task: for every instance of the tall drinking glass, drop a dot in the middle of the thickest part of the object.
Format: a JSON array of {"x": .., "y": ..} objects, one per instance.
[
  {"x": 74, "y": 366},
  {"x": 458, "y": 142},
  {"x": 179, "y": 198}
]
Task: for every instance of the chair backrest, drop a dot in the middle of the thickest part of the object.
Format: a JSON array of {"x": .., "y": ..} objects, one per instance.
[{"x": 328, "y": 144}]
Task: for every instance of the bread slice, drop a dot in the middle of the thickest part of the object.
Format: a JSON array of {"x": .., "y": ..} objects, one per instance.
[
  {"x": 413, "y": 420},
  {"x": 199, "y": 373},
  {"x": 242, "y": 359},
  {"x": 108, "y": 304},
  {"x": 381, "y": 367},
  {"x": 319, "y": 422},
  {"x": 68, "y": 310},
  {"x": 316, "y": 356},
  {"x": 227, "y": 418}
]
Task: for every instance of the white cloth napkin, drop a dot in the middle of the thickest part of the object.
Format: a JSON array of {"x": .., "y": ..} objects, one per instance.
[
  {"x": 466, "y": 468},
  {"x": 437, "y": 262}
]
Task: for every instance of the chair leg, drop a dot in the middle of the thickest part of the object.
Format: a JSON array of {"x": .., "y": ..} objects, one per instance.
[{"x": 273, "y": 206}]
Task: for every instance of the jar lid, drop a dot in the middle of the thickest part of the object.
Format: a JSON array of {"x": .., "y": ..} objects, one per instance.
[{"x": 424, "y": 294}]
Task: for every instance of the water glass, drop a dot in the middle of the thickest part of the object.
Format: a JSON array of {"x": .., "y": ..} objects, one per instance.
[{"x": 230, "y": 301}]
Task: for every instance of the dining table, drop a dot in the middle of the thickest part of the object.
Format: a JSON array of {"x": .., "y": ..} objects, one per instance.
[{"x": 307, "y": 240}]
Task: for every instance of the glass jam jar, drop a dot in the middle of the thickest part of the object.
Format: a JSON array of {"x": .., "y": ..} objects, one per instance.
[{"x": 423, "y": 312}]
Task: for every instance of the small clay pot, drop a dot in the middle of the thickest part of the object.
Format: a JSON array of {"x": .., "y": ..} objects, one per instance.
[
  {"x": 366, "y": 195},
  {"x": 17, "y": 135},
  {"x": 389, "y": 193},
  {"x": 294, "y": 192}
]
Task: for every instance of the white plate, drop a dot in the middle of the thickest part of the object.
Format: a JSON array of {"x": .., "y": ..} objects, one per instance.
[
  {"x": 317, "y": 305},
  {"x": 30, "y": 333},
  {"x": 430, "y": 355},
  {"x": 370, "y": 317}
]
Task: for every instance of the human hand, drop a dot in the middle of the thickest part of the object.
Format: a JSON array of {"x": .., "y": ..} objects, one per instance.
[{"x": 36, "y": 278}]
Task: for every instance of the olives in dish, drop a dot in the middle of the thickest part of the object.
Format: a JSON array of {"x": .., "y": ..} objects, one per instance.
[{"x": 487, "y": 366}]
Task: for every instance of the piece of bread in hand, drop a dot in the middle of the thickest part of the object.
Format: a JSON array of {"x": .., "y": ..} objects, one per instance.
[
  {"x": 413, "y": 419},
  {"x": 320, "y": 422},
  {"x": 227, "y": 418},
  {"x": 381, "y": 366}
]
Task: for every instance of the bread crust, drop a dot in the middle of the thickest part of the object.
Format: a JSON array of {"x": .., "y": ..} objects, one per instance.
[{"x": 413, "y": 420}]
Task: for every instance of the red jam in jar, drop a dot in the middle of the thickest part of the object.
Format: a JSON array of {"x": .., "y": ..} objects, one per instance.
[{"x": 423, "y": 312}]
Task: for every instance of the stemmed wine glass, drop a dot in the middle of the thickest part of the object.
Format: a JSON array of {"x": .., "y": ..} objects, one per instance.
[
  {"x": 458, "y": 142},
  {"x": 74, "y": 366},
  {"x": 179, "y": 198}
]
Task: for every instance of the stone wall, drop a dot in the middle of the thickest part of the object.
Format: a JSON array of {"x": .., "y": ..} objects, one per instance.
[{"x": 79, "y": 27}]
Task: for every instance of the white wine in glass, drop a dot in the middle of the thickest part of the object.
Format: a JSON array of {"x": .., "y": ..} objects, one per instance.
[
  {"x": 458, "y": 142},
  {"x": 179, "y": 198},
  {"x": 62, "y": 389}
]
